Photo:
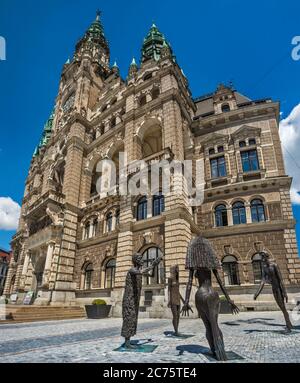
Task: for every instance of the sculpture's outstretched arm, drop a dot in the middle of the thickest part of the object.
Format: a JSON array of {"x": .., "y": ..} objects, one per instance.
[
  {"x": 279, "y": 276},
  {"x": 186, "y": 307},
  {"x": 234, "y": 308},
  {"x": 261, "y": 286},
  {"x": 148, "y": 270}
]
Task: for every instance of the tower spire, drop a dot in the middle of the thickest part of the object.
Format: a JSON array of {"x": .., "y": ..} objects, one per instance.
[{"x": 95, "y": 45}]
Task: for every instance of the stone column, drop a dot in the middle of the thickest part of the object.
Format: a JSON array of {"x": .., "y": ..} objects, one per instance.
[
  {"x": 91, "y": 229},
  {"x": 149, "y": 206},
  {"x": 113, "y": 225},
  {"x": 248, "y": 213},
  {"x": 24, "y": 270},
  {"x": 48, "y": 263}
]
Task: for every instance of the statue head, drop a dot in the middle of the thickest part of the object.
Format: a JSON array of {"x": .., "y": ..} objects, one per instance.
[
  {"x": 200, "y": 254},
  {"x": 137, "y": 259},
  {"x": 265, "y": 257}
]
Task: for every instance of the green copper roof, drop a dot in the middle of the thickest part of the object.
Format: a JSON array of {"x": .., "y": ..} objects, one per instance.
[
  {"x": 153, "y": 43},
  {"x": 45, "y": 135},
  {"x": 96, "y": 28},
  {"x": 94, "y": 36}
]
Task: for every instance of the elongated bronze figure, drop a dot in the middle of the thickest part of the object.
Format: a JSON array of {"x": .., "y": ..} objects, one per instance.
[
  {"x": 201, "y": 262},
  {"x": 132, "y": 295},
  {"x": 174, "y": 296},
  {"x": 271, "y": 274}
]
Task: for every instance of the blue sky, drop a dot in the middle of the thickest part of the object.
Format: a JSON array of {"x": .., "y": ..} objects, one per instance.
[{"x": 218, "y": 41}]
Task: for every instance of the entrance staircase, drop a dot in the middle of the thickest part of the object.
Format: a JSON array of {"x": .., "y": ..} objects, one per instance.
[{"x": 19, "y": 314}]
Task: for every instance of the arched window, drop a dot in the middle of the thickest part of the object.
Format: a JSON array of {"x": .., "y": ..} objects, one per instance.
[
  {"x": 238, "y": 213},
  {"x": 221, "y": 215},
  {"x": 143, "y": 100},
  {"x": 110, "y": 271},
  {"x": 142, "y": 208},
  {"x": 257, "y": 268},
  {"x": 257, "y": 211},
  {"x": 148, "y": 257},
  {"x": 242, "y": 144},
  {"x": 230, "y": 269},
  {"x": 225, "y": 108},
  {"x": 158, "y": 204},
  {"x": 109, "y": 218},
  {"x": 211, "y": 151},
  {"x": 88, "y": 273}
]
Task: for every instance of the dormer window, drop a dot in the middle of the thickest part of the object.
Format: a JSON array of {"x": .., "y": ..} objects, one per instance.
[
  {"x": 147, "y": 76},
  {"x": 225, "y": 108}
]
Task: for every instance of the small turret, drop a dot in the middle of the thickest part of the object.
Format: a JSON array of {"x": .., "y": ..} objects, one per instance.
[
  {"x": 155, "y": 45},
  {"x": 132, "y": 69}
]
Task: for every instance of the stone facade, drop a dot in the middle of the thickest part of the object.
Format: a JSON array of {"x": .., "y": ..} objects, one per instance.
[{"x": 74, "y": 244}]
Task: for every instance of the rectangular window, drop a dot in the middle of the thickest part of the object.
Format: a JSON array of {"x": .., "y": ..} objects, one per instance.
[
  {"x": 249, "y": 160},
  {"x": 218, "y": 167}
]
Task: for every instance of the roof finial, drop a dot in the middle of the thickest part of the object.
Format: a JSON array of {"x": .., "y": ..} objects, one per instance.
[
  {"x": 133, "y": 62},
  {"x": 98, "y": 14}
]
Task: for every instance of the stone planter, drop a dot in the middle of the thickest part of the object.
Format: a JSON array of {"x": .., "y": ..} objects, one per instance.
[
  {"x": 225, "y": 308},
  {"x": 97, "y": 311}
]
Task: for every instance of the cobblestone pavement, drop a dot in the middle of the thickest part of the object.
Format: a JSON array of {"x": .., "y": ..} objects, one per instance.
[{"x": 255, "y": 337}]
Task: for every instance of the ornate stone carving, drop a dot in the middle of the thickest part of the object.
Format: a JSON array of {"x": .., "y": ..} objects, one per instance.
[{"x": 56, "y": 216}]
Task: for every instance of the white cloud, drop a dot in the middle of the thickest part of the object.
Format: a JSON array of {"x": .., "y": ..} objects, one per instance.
[
  {"x": 9, "y": 214},
  {"x": 289, "y": 129}
]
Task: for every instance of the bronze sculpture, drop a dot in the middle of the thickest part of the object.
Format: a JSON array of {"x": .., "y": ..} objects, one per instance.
[
  {"x": 132, "y": 295},
  {"x": 174, "y": 296},
  {"x": 201, "y": 261},
  {"x": 271, "y": 274}
]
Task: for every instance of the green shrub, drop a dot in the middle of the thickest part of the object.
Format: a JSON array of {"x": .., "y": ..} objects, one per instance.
[
  {"x": 98, "y": 302},
  {"x": 223, "y": 298}
]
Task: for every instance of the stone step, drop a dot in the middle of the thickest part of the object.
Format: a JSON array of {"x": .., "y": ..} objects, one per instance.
[
  {"x": 39, "y": 313},
  {"x": 262, "y": 306}
]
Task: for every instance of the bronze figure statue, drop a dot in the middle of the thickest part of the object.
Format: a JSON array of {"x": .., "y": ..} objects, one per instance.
[
  {"x": 174, "y": 296},
  {"x": 132, "y": 295},
  {"x": 271, "y": 274},
  {"x": 201, "y": 262}
]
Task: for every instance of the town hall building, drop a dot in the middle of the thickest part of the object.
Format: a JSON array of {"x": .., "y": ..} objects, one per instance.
[{"x": 74, "y": 245}]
